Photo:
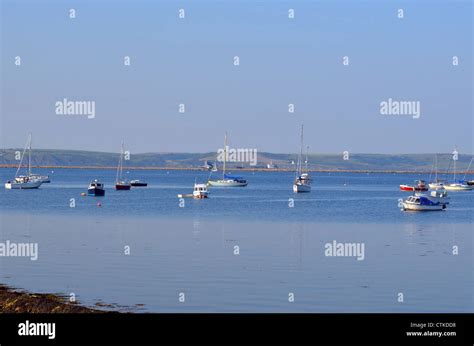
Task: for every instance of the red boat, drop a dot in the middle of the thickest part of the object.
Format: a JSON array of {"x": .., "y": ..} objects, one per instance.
[
  {"x": 122, "y": 185},
  {"x": 419, "y": 186}
]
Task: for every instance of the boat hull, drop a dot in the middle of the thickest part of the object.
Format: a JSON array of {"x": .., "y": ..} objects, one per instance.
[
  {"x": 417, "y": 207},
  {"x": 122, "y": 187},
  {"x": 226, "y": 183},
  {"x": 23, "y": 186},
  {"x": 297, "y": 188},
  {"x": 96, "y": 192},
  {"x": 460, "y": 187},
  {"x": 139, "y": 184},
  {"x": 412, "y": 188}
]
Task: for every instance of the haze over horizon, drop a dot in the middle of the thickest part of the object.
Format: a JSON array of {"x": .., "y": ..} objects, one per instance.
[{"x": 282, "y": 61}]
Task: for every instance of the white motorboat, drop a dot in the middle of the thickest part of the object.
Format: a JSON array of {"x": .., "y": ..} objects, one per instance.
[
  {"x": 303, "y": 180},
  {"x": 96, "y": 188},
  {"x": 227, "y": 180},
  {"x": 421, "y": 203},
  {"x": 22, "y": 182},
  {"x": 439, "y": 195},
  {"x": 200, "y": 191}
]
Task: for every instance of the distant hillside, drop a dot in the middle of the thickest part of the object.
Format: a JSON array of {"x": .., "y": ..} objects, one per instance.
[{"x": 356, "y": 162}]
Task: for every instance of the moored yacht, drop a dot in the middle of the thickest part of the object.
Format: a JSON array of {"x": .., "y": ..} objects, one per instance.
[
  {"x": 227, "y": 180},
  {"x": 303, "y": 180},
  {"x": 22, "y": 182},
  {"x": 120, "y": 182},
  {"x": 457, "y": 185}
]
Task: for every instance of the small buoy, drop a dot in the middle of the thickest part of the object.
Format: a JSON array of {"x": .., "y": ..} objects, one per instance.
[
  {"x": 99, "y": 204},
  {"x": 83, "y": 194}
]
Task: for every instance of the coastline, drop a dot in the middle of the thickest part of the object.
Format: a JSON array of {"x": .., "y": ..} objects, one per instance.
[
  {"x": 260, "y": 169},
  {"x": 14, "y": 301}
]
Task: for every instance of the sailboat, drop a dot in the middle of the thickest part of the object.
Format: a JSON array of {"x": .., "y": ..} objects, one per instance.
[
  {"x": 24, "y": 181},
  {"x": 437, "y": 184},
  {"x": 469, "y": 182},
  {"x": 120, "y": 183},
  {"x": 302, "y": 181},
  {"x": 459, "y": 185},
  {"x": 227, "y": 180}
]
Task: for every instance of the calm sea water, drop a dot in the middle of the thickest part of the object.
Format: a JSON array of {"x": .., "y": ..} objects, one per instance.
[{"x": 281, "y": 250}]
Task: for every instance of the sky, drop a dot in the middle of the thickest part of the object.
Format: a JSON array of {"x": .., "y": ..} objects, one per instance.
[{"x": 190, "y": 61}]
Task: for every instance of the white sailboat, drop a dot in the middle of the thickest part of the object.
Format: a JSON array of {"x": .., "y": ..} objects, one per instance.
[
  {"x": 303, "y": 180},
  {"x": 437, "y": 184},
  {"x": 23, "y": 182},
  {"x": 459, "y": 185},
  {"x": 227, "y": 180}
]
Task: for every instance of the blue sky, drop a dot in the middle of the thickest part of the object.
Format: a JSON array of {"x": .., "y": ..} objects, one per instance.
[{"x": 282, "y": 61}]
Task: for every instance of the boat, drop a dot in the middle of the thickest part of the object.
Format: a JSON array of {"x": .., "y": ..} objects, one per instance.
[
  {"x": 437, "y": 184},
  {"x": 96, "y": 188},
  {"x": 421, "y": 203},
  {"x": 44, "y": 178},
  {"x": 271, "y": 165},
  {"x": 302, "y": 180},
  {"x": 469, "y": 182},
  {"x": 227, "y": 179},
  {"x": 439, "y": 195},
  {"x": 458, "y": 185},
  {"x": 199, "y": 192},
  {"x": 420, "y": 185},
  {"x": 137, "y": 182},
  {"x": 214, "y": 167},
  {"x": 120, "y": 182},
  {"x": 24, "y": 182}
]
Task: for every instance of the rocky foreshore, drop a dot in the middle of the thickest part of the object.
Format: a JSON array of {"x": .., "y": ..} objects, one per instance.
[{"x": 12, "y": 301}]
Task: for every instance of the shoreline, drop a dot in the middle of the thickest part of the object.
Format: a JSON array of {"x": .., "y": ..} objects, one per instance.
[
  {"x": 237, "y": 169},
  {"x": 19, "y": 301}
]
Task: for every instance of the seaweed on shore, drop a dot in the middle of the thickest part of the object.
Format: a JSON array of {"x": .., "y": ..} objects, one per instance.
[{"x": 23, "y": 302}]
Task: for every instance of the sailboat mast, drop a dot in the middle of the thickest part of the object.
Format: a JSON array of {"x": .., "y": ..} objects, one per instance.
[
  {"x": 22, "y": 156},
  {"x": 454, "y": 165},
  {"x": 306, "y": 159},
  {"x": 225, "y": 156},
  {"x": 468, "y": 167},
  {"x": 436, "y": 168},
  {"x": 119, "y": 167},
  {"x": 300, "y": 158},
  {"x": 29, "y": 154}
]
